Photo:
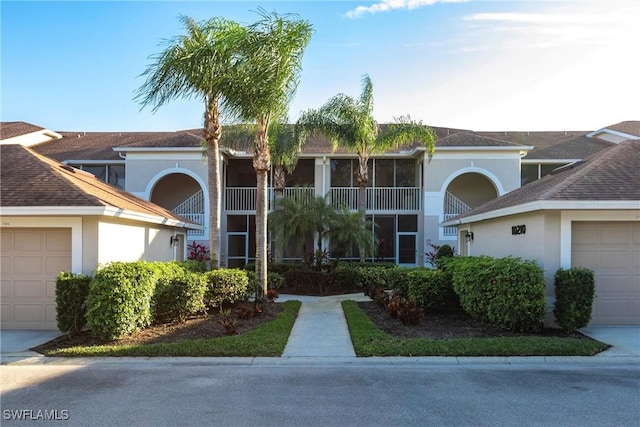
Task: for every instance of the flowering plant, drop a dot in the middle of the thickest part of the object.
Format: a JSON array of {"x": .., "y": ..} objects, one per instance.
[{"x": 198, "y": 252}]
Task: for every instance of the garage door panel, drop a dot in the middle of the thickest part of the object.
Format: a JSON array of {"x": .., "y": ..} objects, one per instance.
[
  {"x": 29, "y": 265},
  {"x": 50, "y": 313},
  {"x": 51, "y": 290},
  {"x": 614, "y": 284},
  {"x": 31, "y": 261},
  {"x": 585, "y": 235},
  {"x": 28, "y": 313},
  {"x": 615, "y": 235},
  {"x": 614, "y": 259},
  {"x": 56, "y": 264},
  {"x": 29, "y": 240},
  {"x": 585, "y": 259},
  {"x": 28, "y": 289}
]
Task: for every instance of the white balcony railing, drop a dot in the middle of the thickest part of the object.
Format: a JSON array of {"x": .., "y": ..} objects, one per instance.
[
  {"x": 244, "y": 198},
  {"x": 193, "y": 209},
  {"x": 452, "y": 208},
  {"x": 378, "y": 199}
]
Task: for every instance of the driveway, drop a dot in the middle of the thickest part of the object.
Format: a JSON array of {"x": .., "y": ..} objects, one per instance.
[
  {"x": 625, "y": 340},
  {"x": 22, "y": 341}
]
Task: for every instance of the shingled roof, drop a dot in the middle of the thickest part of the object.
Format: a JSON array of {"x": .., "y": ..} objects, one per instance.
[
  {"x": 32, "y": 180},
  {"x": 630, "y": 127},
  {"x": 13, "y": 129},
  {"x": 611, "y": 175}
]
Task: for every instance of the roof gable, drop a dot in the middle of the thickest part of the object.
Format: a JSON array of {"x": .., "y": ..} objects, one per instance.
[
  {"x": 611, "y": 175},
  {"x": 31, "y": 180}
]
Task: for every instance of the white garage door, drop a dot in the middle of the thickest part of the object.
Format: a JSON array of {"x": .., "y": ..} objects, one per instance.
[
  {"x": 612, "y": 251},
  {"x": 31, "y": 260}
]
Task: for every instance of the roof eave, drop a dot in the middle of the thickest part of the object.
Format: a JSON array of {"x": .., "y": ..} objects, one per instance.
[
  {"x": 109, "y": 211},
  {"x": 539, "y": 205}
]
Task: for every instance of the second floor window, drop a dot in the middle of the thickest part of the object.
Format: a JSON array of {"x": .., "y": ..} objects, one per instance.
[{"x": 382, "y": 173}]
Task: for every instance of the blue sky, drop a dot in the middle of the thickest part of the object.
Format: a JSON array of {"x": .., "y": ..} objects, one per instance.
[{"x": 481, "y": 65}]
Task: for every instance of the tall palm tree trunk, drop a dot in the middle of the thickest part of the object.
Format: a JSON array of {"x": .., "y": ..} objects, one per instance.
[
  {"x": 212, "y": 134},
  {"x": 279, "y": 184},
  {"x": 261, "y": 163},
  {"x": 363, "y": 180}
]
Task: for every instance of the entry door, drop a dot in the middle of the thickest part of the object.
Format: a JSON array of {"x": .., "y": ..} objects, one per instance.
[
  {"x": 407, "y": 249},
  {"x": 237, "y": 250}
]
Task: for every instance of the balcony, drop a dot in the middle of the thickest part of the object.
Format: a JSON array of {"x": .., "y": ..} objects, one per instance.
[
  {"x": 378, "y": 199},
  {"x": 244, "y": 198}
]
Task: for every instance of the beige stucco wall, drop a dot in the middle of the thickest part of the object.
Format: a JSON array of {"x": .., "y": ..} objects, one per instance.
[
  {"x": 541, "y": 241},
  {"x": 145, "y": 170},
  {"x": 131, "y": 241},
  {"x": 500, "y": 169}
]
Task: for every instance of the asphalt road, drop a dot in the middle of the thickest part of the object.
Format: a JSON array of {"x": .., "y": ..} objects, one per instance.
[{"x": 190, "y": 393}]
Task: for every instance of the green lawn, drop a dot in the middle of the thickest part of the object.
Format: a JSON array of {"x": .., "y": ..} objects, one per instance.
[
  {"x": 368, "y": 340},
  {"x": 267, "y": 340}
]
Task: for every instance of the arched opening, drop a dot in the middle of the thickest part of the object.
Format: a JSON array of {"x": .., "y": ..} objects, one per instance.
[
  {"x": 465, "y": 192},
  {"x": 182, "y": 195},
  {"x": 173, "y": 189}
]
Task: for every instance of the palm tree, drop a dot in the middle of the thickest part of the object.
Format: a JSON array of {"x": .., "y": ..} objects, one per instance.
[
  {"x": 299, "y": 215},
  {"x": 270, "y": 66},
  {"x": 346, "y": 230},
  {"x": 292, "y": 219},
  {"x": 349, "y": 122},
  {"x": 286, "y": 145},
  {"x": 198, "y": 65}
]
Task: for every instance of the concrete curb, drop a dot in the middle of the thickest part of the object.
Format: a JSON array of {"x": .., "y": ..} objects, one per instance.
[{"x": 21, "y": 359}]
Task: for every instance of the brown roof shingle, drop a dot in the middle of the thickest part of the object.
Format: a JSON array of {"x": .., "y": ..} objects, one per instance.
[
  {"x": 612, "y": 175},
  {"x": 631, "y": 127},
  {"x": 28, "y": 180},
  {"x": 13, "y": 129}
]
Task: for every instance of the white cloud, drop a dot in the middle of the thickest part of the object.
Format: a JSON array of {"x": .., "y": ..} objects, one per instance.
[{"x": 387, "y": 5}]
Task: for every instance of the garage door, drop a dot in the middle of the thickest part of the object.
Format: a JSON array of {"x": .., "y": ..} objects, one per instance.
[
  {"x": 31, "y": 260},
  {"x": 612, "y": 251}
]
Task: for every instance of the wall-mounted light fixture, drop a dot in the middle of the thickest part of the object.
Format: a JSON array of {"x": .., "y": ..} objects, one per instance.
[
  {"x": 173, "y": 241},
  {"x": 468, "y": 236}
]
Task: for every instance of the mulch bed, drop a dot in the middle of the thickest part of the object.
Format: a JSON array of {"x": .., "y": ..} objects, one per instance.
[
  {"x": 196, "y": 327},
  {"x": 433, "y": 325},
  {"x": 446, "y": 326}
]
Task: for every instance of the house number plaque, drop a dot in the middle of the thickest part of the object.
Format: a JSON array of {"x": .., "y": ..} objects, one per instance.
[{"x": 518, "y": 229}]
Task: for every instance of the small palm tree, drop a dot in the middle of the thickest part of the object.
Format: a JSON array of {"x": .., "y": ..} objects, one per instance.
[
  {"x": 198, "y": 64},
  {"x": 347, "y": 231},
  {"x": 349, "y": 123}
]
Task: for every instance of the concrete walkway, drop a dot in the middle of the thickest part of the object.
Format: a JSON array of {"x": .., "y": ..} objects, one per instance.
[{"x": 320, "y": 329}]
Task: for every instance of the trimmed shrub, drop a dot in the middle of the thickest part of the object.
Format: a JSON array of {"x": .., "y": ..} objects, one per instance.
[
  {"x": 226, "y": 286},
  {"x": 371, "y": 277},
  {"x": 71, "y": 301},
  {"x": 575, "y": 290},
  {"x": 344, "y": 279},
  {"x": 431, "y": 289},
  {"x": 306, "y": 280},
  {"x": 193, "y": 265},
  {"x": 398, "y": 279},
  {"x": 179, "y": 296},
  {"x": 506, "y": 292},
  {"x": 120, "y": 295}
]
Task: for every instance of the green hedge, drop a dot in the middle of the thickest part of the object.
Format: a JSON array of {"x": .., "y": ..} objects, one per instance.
[
  {"x": 506, "y": 292},
  {"x": 575, "y": 290},
  {"x": 120, "y": 297},
  {"x": 431, "y": 289},
  {"x": 71, "y": 298},
  {"x": 179, "y": 296},
  {"x": 227, "y": 286}
]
